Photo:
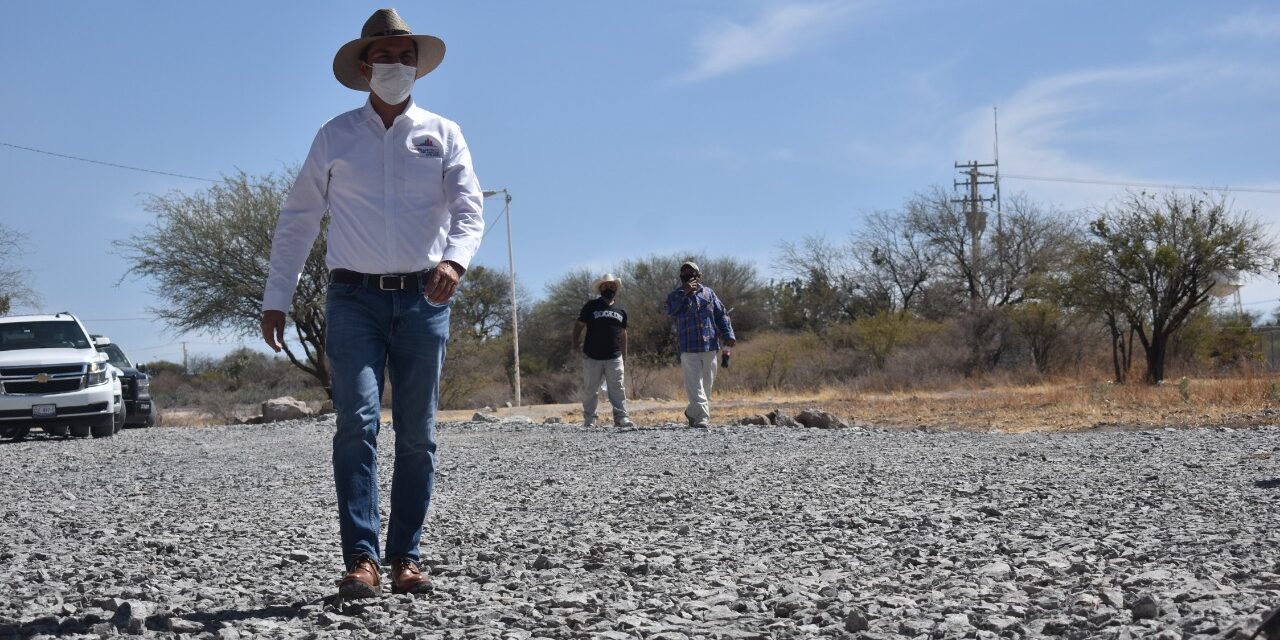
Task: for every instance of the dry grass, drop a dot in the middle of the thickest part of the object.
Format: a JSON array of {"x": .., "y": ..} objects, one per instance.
[
  {"x": 188, "y": 418},
  {"x": 1051, "y": 406},
  {"x": 1044, "y": 407},
  {"x": 1065, "y": 405}
]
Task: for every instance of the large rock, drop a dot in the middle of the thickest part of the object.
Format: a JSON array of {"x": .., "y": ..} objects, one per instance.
[
  {"x": 284, "y": 408},
  {"x": 815, "y": 419},
  {"x": 779, "y": 418},
  {"x": 481, "y": 416}
]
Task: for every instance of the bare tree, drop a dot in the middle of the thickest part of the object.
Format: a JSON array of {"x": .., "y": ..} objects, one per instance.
[
  {"x": 14, "y": 278},
  {"x": 545, "y": 333},
  {"x": 820, "y": 288},
  {"x": 481, "y": 308},
  {"x": 1028, "y": 245},
  {"x": 893, "y": 258},
  {"x": 207, "y": 255}
]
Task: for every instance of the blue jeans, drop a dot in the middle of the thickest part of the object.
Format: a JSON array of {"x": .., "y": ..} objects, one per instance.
[{"x": 369, "y": 331}]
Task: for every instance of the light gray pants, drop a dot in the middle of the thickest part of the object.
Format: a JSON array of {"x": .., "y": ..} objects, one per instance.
[
  {"x": 611, "y": 371},
  {"x": 699, "y": 376}
]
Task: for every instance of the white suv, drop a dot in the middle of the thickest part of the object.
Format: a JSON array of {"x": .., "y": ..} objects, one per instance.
[{"x": 51, "y": 376}]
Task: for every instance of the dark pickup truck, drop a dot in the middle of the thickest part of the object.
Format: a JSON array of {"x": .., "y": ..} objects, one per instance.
[{"x": 135, "y": 386}]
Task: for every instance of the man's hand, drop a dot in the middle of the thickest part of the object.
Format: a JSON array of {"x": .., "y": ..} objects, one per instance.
[
  {"x": 729, "y": 342},
  {"x": 273, "y": 329},
  {"x": 443, "y": 281},
  {"x": 690, "y": 286}
]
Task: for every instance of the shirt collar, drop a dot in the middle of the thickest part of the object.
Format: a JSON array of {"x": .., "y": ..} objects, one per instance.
[{"x": 411, "y": 111}]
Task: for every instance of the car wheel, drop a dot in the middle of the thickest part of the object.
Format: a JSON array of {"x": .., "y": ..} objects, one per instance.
[
  {"x": 104, "y": 427},
  {"x": 17, "y": 433},
  {"x": 80, "y": 430},
  {"x": 120, "y": 417},
  {"x": 58, "y": 431}
]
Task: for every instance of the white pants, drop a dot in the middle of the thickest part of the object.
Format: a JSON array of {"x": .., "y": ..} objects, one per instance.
[
  {"x": 699, "y": 376},
  {"x": 611, "y": 370}
]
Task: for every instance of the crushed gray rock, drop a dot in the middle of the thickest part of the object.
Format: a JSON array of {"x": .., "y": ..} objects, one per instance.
[
  {"x": 657, "y": 532},
  {"x": 1145, "y": 608}
]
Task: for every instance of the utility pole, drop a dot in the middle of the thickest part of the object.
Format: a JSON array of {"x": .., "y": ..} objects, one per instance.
[
  {"x": 975, "y": 211},
  {"x": 515, "y": 307},
  {"x": 975, "y": 216}
]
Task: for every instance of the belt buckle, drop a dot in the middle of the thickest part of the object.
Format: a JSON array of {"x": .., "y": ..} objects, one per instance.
[{"x": 382, "y": 282}]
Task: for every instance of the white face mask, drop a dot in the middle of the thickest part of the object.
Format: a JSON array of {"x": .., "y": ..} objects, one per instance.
[{"x": 392, "y": 82}]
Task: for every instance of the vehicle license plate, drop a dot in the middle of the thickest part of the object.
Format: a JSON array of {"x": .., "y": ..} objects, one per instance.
[{"x": 44, "y": 410}]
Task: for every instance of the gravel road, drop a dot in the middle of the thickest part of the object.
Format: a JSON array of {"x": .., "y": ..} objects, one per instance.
[{"x": 661, "y": 533}]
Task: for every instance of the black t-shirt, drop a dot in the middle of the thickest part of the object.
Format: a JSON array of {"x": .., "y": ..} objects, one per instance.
[{"x": 605, "y": 323}]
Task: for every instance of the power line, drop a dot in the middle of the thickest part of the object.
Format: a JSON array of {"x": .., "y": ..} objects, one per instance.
[
  {"x": 238, "y": 343},
  {"x": 1256, "y": 303},
  {"x": 107, "y": 164},
  {"x": 1153, "y": 185},
  {"x": 152, "y": 348},
  {"x": 495, "y": 221}
]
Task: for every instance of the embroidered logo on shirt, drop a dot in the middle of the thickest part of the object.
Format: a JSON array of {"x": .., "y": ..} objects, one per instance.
[{"x": 427, "y": 147}]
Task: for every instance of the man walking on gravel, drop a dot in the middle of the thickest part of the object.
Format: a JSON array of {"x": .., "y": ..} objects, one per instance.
[
  {"x": 605, "y": 322},
  {"x": 701, "y": 323},
  {"x": 405, "y": 218}
]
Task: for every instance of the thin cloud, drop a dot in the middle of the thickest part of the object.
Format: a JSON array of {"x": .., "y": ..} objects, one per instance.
[
  {"x": 1040, "y": 121},
  {"x": 781, "y": 32},
  {"x": 1254, "y": 25}
]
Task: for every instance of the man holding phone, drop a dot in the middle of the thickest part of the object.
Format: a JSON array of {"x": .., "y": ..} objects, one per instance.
[{"x": 701, "y": 324}]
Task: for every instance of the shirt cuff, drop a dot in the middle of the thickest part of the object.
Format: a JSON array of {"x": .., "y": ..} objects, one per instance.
[
  {"x": 457, "y": 255},
  {"x": 273, "y": 301}
]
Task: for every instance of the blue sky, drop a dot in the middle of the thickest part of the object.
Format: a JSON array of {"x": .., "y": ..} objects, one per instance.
[{"x": 625, "y": 129}]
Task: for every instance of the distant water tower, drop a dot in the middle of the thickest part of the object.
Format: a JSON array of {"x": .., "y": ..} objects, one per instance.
[{"x": 1226, "y": 284}]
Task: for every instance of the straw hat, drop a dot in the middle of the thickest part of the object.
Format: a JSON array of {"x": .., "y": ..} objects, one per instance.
[
  {"x": 384, "y": 23},
  {"x": 608, "y": 277}
]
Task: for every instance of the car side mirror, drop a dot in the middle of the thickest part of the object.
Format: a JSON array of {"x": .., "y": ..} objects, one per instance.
[{"x": 142, "y": 368}]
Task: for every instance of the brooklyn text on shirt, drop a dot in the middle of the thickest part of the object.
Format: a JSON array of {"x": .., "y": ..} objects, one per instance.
[
  {"x": 608, "y": 314},
  {"x": 425, "y": 146}
]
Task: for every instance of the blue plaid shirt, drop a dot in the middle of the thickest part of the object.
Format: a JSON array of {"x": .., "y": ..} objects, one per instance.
[{"x": 697, "y": 319}]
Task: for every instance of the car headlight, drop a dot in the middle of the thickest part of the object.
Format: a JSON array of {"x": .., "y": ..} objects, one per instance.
[
  {"x": 144, "y": 383},
  {"x": 97, "y": 374}
]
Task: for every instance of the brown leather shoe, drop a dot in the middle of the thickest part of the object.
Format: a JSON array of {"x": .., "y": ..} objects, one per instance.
[
  {"x": 364, "y": 580},
  {"x": 406, "y": 577}
]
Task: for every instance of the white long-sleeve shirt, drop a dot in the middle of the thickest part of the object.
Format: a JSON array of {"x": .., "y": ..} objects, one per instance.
[{"x": 400, "y": 200}]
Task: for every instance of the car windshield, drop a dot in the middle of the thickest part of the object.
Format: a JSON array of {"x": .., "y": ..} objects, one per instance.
[
  {"x": 42, "y": 334},
  {"x": 115, "y": 356}
]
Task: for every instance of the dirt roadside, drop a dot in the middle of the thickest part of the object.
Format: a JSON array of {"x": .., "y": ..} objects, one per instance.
[
  {"x": 1055, "y": 407},
  {"x": 1050, "y": 407}
]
